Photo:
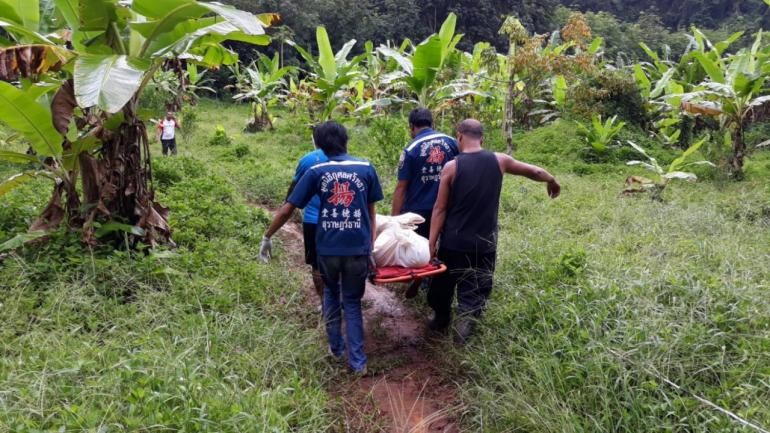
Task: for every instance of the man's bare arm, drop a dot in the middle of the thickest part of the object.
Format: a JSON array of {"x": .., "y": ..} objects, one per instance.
[
  {"x": 399, "y": 197},
  {"x": 281, "y": 217},
  {"x": 440, "y": 207},
  {"x": 511, "y": 166}
]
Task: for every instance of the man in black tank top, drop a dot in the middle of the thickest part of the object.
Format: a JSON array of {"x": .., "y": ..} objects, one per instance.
[{"x": 464, "y": 223}]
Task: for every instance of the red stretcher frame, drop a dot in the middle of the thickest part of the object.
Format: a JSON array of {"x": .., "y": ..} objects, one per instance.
[{"x": 413, "y": 276}]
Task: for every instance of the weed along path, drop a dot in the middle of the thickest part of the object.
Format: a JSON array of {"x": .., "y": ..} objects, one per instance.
[{"x": 405, "y": 390}]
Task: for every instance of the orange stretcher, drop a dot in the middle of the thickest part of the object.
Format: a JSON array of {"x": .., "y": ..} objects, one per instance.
[{"x": 398, "y": 274}]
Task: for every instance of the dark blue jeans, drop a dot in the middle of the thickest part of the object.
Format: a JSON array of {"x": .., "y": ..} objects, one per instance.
[{"x": 345, "y": 275}]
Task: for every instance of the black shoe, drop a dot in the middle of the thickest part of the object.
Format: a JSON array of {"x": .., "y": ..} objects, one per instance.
[
  {"x": 439, "y": 323},
  {"x": 463, "y": 330}
]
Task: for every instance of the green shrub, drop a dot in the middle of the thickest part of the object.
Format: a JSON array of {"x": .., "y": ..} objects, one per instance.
[
  {"x": 19, "y": 208},
  {"x": 220, "y": 137},
  {"x": 757, "y": 133},
  {"x": 189, "y": 119},
  {"x": 607, "y": 93},
  {"x": 153, "y": 100},
  {"x": 551, "y": 146},
  {"x": 216, "y": 212},
  {"x": 268, "y": 190},
  {"x": 168, "y": 171},
  {"x": 241, "y": 150},
  {"x": 387, "y": 136},
  {"x": 572, "y": 263}
]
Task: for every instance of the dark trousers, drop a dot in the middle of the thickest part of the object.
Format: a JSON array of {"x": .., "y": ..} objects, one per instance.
[
  {"x": 471, "y": 274},
  {"x": 345, "y": 276},
  {"x": 168, "y": 146}
]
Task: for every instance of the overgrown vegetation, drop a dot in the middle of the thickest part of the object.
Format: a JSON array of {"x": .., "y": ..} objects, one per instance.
[
  {"x": 595, "y": 295},
  {"x": 611, "y": 312},
  {"x": 90, "y": 138},
  {"x": 187, "y": 338}
]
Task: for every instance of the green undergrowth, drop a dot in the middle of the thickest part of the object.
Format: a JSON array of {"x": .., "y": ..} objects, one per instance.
[
  {"x": 599, "y": 299},
  {"x": 197, "y": 338}
]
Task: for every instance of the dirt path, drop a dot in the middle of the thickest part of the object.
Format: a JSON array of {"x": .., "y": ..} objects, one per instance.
[{"x": 405, "y": 392}]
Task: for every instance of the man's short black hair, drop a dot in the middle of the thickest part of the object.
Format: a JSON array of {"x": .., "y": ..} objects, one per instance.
[
  {"x": 421, "y": 118},
  {"x": 331, "y": 138}
]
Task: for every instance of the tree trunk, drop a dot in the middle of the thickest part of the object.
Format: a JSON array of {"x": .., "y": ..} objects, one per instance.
[
  {"x": 116, "y": 186},
  {"x": 266, "y": 117},
  {"x": 509, "y": 114},
  {"x": 739, "y": 154}
]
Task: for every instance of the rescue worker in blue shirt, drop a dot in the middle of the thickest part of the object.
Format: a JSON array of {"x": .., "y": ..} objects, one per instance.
[
  {"x": 310, "y": 216},
  {"x": 419, "y": 170},
  {"x": 348, "y": 188}
]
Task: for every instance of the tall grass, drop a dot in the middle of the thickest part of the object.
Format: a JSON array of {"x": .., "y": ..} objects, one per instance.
[
  {"x": 199, "y": 338},
  {"x": 599, "y": 300}
]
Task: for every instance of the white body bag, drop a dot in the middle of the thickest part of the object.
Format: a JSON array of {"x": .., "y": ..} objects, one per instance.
[{"x": 398, "y": 244}]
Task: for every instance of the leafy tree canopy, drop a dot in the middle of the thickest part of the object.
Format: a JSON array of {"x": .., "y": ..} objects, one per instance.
[{"x": 623, "y": 24}]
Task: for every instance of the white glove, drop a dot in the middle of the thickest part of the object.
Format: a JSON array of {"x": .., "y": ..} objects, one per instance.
[{"x": 266, "y": 250}]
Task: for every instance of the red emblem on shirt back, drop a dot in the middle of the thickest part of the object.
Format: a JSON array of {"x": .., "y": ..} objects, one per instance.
[
  {"x": 436, "y": 156},
  {"x": 342, "y": 195}
]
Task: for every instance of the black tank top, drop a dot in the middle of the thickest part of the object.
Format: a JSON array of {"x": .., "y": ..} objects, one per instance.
[{"x": 471, "y": 221}]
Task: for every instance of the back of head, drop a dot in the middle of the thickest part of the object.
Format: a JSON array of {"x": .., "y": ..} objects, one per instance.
[
  {"x": 421, "y": 118},
  {"x": 331, "y": 138},
  {"x": 471, "y": 128}
]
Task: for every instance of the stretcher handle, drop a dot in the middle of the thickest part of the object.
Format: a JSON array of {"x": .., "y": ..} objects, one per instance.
[{"x": 411, "y": 277}]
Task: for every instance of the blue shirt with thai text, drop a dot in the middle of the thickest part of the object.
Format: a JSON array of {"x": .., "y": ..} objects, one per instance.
[
  {"x": 346, "y": 187},
  {"x": 421, "y": 164}
]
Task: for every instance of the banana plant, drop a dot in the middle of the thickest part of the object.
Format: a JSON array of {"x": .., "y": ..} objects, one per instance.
[
  {"x": 375, "y": 69},
  {"x": 662, "y": 81},
  {"x": 669, "y": 131},
  {"x": 179, "y": 84},
  {"x": 260, "y": 83},
  {"x": 196, "y": 81},
  {"x": 371, "y": 86},
  {"x": 638, "y": 184},
  {"x": 600, "y": 135},
  {"x": 416, "y": 80},
  {"x": 734, "y": 93},
  {"x": 662, "y": 76},
  {"x": 483, "y": 70},
  {"x": 91, "y": 131},
  {"x": 330, "y": 74},
  {"x": 176, "y": 88}
]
